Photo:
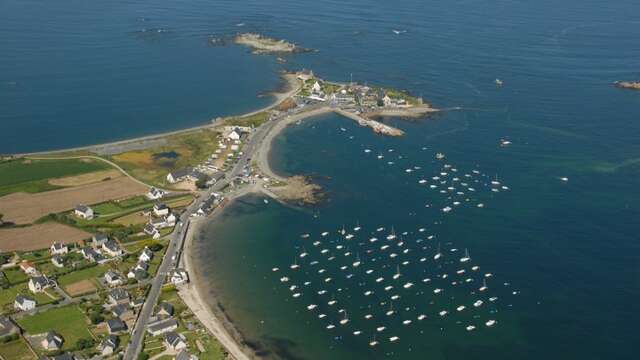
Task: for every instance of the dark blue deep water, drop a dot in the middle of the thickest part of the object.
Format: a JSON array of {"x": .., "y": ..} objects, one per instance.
[{"x": 75, "y": 73}]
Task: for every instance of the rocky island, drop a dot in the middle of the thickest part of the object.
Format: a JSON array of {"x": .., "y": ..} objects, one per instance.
[
  {"x": 261, "y": 44},
  {"x": 633, "y": 85}
]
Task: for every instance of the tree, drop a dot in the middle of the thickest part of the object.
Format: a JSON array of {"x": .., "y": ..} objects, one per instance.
[
  {"x": 84, "y": 343},
  {"x": 143, "y": 356},
  {"x": 1, "y": 220},
  {"x": 202, "y": 182}
]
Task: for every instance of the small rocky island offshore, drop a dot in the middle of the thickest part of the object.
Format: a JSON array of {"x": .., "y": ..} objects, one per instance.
[
  {"x": 265, "y": 45},
  {"x": 633, "y": 85}
]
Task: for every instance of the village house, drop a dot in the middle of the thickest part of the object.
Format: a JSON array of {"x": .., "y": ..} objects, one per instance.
[
  {"x": 112, "y": 248},
  {"x": 39, "y": 284},
  {"x": 112, "y": 278},
  {"x": 155, "y": 194},
  {"x": 178, "y": 276},
  {"x": 184, "y": 355},
  {"x": 118, "y": 296},
  {"x": 184, "y": 174},
  {"x": 52, "y": 341},
  {"x": 57, "y": 261},
  {"x": 159, "y": 327},
  {"x": 99, "y": 239},
  {"x": 150, "y": 230},
  {"x": 175, "y": 341},
  {"x": 7, "y": 327},
  {"x": 122, "y": 311},
  {"x": 145, "y": 255},
  {"x": 59, "y": 249},
  {"x": 137, "y": 274},
  {"x": 24, "y": 303},
  {"x": 108, "y": 345},
  {"x": 160, "y": 209},
  {"x": 90, "y": 254},
  {"x": 28, "y": 268},
  {"x": 83, "y": 212},
  {"x": 116, "y": 326},
  {"x": 165, "y": 310}
]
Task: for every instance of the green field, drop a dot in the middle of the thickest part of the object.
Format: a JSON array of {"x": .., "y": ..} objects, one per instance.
[
  {"x": 68, "y": 321},
  {"x": 16, "y": 350},
  {"x": 254, "y": 120},
  {"x": 31, "y": 175},
  {"x": 15, "y": 275},
  {"x": 90, "y": 273}
]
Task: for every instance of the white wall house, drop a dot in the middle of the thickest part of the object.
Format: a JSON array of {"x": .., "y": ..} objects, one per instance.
[{"x": 83, "y": 212}]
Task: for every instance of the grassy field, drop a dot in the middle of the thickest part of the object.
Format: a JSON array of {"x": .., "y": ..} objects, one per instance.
[
  {"x": 68, "y": 321},
  {"x": 181, "y": 150},
  {"x": 251, "y": 121},
  {"x": 31, "y": 175},
  {"x": 16, "y": 350},
  {"x": 91, "y": 274},
  {"x": 15, "y": 275}
]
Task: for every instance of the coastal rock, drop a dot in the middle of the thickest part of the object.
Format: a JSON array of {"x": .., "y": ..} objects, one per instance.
[
  {"x": 632, "y": 85},
  {"x": 300, "y": 190},
  {"x": 265, "y": 45}
]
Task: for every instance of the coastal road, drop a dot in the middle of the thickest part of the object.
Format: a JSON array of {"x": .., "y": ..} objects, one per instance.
[{"x": 177, "y": 238}]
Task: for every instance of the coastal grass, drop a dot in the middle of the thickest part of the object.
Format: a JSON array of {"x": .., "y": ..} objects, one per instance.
[
  {"x": 16, "y": 350},
  {"x": 68, "y": 321},
  {"x": 179, "y": 150},
  {"x": 254, "y": 120},
  {"x": 30, "y": 176}
]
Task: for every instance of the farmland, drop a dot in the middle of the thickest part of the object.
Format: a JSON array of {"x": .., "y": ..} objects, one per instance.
[
  {"x": 32, "y": 176},
  {"x": 38, "y": 236}
]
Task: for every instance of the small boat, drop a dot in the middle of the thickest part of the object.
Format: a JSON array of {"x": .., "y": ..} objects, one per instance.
[
  {"x": 357, "y": 332},
  {"x": 466, "y": 256},
  {"x": 498, "y": 82},
  {"x": 325, "y": 233},
  {"x": 312, "y": 306},
  {"x": 265, "y": 201},
  {"x": 422, "y": 181},
  {"x": 460, "y": 308},
  {"x": 345, "y": 320},
  {"x": 504, "y": 142},
  {"x": 394, "y": 339},
  {"x": 437, "y": 291},
  {"x": 275, "y": 269},
  {"x": 296, "y": 295},
  {"x": 565, "y": 179},
  {"x": 443, "y": 313},
  {"x": 368, "y": 293},
  {"x": 438, "y": 255},
  {"x": 470, "y": 328},
  {"x": 406, "y": 322},
  {"x": 332, "y": 302},
  {"x": 388, "y": 288},
  {"x": 421, "y": 317},
  {"x": 446, "y": 209},
  {"x": 490, "y": 323},
  {"x": 367, "y": 150},
  {"x": 390, "y": 311},
  {"x": 368, "y": 316},
  {"x": 484, "y": 285},
  {"x": 408, "y": 285},
  {"x": 493, "y": 298},
  {"x": 330, "y": 326},
  {"x": 284, "y": 279},
  {"x": 322, "y": 316},
  {"x": 478, "y": 303},
  {"x": 397, "y": 274},
  {"x": 373, "y": 342},
  {"x": 380, "y": 328},
  {"x": 440, "y": 156}
]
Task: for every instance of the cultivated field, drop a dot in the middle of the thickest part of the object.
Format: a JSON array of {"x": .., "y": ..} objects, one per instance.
[
  {"x": 24, "y": 208},
  {"x": 38, "y": 236},
  {"x": 85, "y": 179},
  {"x": 80, "y": 288},
  {"x": 16, "y": 350}
]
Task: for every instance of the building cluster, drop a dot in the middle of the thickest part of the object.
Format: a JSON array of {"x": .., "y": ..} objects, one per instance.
[
  {"x": 160, "y": 217},
  {"x": 100, "y": 249}
]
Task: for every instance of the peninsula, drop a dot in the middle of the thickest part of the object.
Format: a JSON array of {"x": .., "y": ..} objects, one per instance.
[{"x": 101, "y": 235}]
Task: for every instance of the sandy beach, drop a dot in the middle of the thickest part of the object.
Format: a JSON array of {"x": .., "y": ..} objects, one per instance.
[{"x": 213, "y": 318}]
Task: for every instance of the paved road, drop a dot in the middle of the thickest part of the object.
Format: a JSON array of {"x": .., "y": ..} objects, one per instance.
[{"x": 176, "y": 240}]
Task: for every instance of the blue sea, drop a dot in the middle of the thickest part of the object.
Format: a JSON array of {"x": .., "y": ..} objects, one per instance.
[{"x": 76, "y": 73}]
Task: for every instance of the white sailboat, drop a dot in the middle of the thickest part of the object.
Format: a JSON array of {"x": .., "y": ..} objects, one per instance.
[{"x": 466, "y": 256}]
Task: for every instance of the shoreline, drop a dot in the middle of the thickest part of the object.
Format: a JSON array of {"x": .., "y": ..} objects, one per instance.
[
  {"x": 290, "y": 85},
  {"x": 211, "y": 316}
]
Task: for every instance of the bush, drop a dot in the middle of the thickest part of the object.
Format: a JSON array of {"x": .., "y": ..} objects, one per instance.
[
  {"x": 155, "y": 247},
  {"x": 96, "y": 318},
  {"x": 143, "y": 356},
  {"x": 84, "y": 344},
  {"x": 9, "y": 338}
]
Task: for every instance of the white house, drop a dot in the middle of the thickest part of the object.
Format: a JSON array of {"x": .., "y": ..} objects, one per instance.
[
  {"x": 39, "y": 284},
  {"x": 112, "y": 248},
  {"x": 59, "y": 249},
  {"x": 316, "y": 88},
  {"x": 108, "y": 345},
  {"x": 52, "y": 341},
  {"x": 179, "y": 175},
  {"x": 178, "y": 276},
  {"x": 83, "y": 212},
  {"x": 113, "y": 278},
  {"x": 155, "y": 194},
  {"x": 149, "y": 229},
  {"x": 232, "y": 135},
  {"x": 160, "y": 209},
  {"x": 146, "y": 255},
  {"x": 175, "y": 341},
  {"x": 28, "y": 268},
  {"x": 24, "y": 303}
]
